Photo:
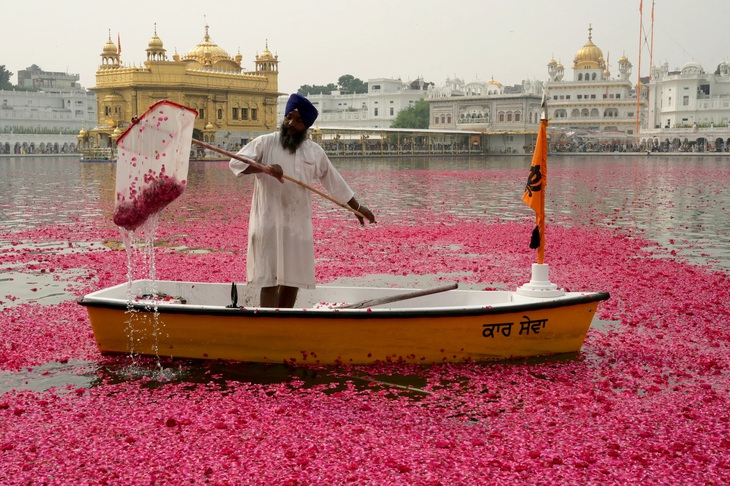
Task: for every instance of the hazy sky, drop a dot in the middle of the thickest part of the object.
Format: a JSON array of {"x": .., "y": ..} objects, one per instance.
[{"x": 319, "y": 40}]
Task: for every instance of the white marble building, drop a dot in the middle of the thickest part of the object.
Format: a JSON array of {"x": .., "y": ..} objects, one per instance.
[
  {"x": 508, "y": 116},
  {"x": 593, "y": 104},
  {"x": 377, "y": 108},
  {"x": 689, "y": 108},
  {"x": 47, "y": 120}
]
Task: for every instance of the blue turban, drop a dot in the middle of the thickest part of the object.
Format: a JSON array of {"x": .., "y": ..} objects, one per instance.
[{"x": 305, "y": 108}]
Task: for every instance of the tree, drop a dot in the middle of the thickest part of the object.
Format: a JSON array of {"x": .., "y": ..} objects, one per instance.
[
  {"x": 346, "y": 83},
  {"x": 5, "y": 78},
  {"x": 415, "y": 116},
  {"x": 351, "y": 84},
  {"x": 315, "y": 89}
]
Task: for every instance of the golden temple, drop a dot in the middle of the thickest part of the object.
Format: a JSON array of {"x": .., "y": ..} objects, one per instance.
[{"x": 233, "y": 105}]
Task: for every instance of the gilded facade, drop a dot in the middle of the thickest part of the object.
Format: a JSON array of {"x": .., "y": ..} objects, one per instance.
[{"x": 234, "y": 105}]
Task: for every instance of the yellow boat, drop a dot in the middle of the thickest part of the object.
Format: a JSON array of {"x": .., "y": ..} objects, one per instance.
[{"x": 199, "y": 320}]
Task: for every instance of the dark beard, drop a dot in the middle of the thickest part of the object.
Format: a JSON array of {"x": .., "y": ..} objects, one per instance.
[{"x": 291, "y": 142}]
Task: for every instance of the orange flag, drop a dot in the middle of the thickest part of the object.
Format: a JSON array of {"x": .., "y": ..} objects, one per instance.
[{"x": 534, "y": 195}]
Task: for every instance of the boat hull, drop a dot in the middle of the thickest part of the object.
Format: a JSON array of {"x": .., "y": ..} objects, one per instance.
[{"x": 421, "y": 334}]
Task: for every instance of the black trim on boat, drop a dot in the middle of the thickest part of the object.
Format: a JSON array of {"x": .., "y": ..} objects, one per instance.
[{"x": 299, "y": 313}]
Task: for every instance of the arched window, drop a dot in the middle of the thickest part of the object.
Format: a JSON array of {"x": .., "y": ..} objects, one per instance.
[
  {"x": 584, "y": 113},
  {"x": 501, "y": 116},
  {"x": 575, "y": 113},
  {"x": 594, "y": 113},
  {"x": 509, "y": 116},
  {"x": 517, "y": 116},
  {"x": 580, "y": 77}
]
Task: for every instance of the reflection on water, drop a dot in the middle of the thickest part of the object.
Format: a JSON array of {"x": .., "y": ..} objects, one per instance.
[
  {"x": 152, "y": 373},
  {"x": 673, "y": 200}
]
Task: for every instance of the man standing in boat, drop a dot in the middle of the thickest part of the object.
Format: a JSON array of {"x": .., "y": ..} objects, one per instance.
[{"x": 280, "y": 256}]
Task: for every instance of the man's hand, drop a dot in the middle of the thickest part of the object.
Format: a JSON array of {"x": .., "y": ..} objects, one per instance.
[{"x": 275, "y": 170}]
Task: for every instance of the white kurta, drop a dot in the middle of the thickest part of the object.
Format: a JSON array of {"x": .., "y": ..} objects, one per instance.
[{"x": 280, "y": 241}]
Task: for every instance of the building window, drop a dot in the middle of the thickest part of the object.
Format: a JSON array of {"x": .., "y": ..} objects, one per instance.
[
  {"x": 593, "y": 97},
  {"x": 234, "y": 114},
  {"x": 448, "y": 119},
  {"x": 375, "y": 113},
  {"x": 254, "y": 114},
  {"x": 392, "y": 111},
  {"x": 685, "y": 100},
  {"x": 501, "y": 116},
  {"x": 220, "y": 114},
  {"x": 509, "y": 116},
  {"x": 244, "y": 114},
  {"x": 580, "y": 97},
  {"x": 567, "y": 97},
  {"x": 517, "y": 116},
  {"x": 201, "y": 113}
]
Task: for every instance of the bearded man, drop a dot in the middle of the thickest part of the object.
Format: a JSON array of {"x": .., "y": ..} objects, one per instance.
[{"x": 280, "y": 256}]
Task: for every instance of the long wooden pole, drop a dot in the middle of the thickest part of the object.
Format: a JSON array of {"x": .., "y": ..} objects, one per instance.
[
  {"x": 396, "y": 298},
  {"x": 266, "y": 169}
]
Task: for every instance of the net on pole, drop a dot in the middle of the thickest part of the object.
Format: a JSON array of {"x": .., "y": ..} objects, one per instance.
[{"x": 153, "y": 156}]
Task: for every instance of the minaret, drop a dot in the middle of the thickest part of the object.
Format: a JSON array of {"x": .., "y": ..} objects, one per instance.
[
  {"x": 267, "y": 64},
  {"x": 109, "y": 55},
  {"x": 155, "y": 50},
  {"x": 624, "y": 67}
]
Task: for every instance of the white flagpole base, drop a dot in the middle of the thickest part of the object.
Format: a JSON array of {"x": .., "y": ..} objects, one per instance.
[{"x": 540, "y": 285}]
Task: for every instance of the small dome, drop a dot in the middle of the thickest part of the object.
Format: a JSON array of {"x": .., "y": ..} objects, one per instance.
[
  {"x": 552, "y": 62},
  {"x": 155, "y": 42},
  {"x": 209, "y": 126},
  {"x": 110, "y": 48},
  {"x": 692, "y": 67},
  {"x": 266, "y": 55},
  {"x": 494, "y": 83},
  {"x": 589, "y": 56}
]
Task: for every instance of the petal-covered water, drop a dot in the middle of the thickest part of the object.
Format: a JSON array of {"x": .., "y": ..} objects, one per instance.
[{"x": 645, "y": 402}]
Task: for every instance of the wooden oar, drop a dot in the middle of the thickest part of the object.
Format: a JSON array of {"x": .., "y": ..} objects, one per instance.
[
  {"x": 396, "y": 298},
  {"x": 266, "y": 169}
]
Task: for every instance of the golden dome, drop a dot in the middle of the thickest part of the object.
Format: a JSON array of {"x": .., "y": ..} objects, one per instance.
[
  {"x": 207, "y": 52},
  {"x": 494, "y": 83},
  {"x": 110, "y": 48},
  {"x": 155, "y": 42},
  {"x": 266, "y": 55},
  {"x": 209, "y": 126},
  {"x": 589, "y": 56},
  {"x": 552, "y": 62}
]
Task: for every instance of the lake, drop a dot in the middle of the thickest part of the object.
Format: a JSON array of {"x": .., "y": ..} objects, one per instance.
[{"x": 645, "y": 401}]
